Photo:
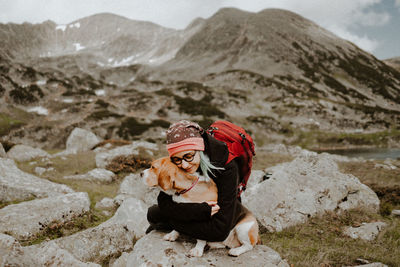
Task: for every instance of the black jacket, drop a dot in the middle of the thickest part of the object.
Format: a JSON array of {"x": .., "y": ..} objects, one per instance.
[{"x": 194, "y": 219}]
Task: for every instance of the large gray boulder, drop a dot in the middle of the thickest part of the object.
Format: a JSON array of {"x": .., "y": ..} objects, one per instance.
[
  {"x": 95, "y": 175},
  {"x": 80, "y": 140},
  {"x": 26, "y": 153},
  {"x": 255, "y": 178},
  {"x": 132, "y": 214},
  {"x": 133, "y": 186},
  {"x": 16, "y": 185},
  {"x": 110, "y": 238},
  {"x": 50, "y": 254},
  {"x": 152, "y": 250},
  {"x": 309, "y": 185},
  {"x": 103, "y": 158},
  {"x": 47, "y": 254},
  {"x": 27, "y": 219}
]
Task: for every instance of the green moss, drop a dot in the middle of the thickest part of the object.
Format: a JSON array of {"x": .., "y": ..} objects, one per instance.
[
  {"x": 378, "y": 78},
  {"x": 6, "y": 203},
  {"x": 2, "y": 90},
  {"x": 102, "y": 103},
  {"x": 132, "y": 127},
  {"x": 313, "y": 139},
  {"x": 8, "y": 123},
  {"x": 321, "y": 242},
  {"x": 103, "y": 114},
  {"x": 190, "y": 87},
  {"x": 165, "y": 92},
  {"x": 29, "y": 94},
  {"x": 55, "y": 229},
  {"x": 199, "y": 107},
  {"x": 79, "y": 92}
]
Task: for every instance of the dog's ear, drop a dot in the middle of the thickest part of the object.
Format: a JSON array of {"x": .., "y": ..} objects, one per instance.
[{"x": 166, "y": 176}]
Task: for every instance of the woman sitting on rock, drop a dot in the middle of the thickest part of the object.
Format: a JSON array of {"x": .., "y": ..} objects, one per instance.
[{"x": 193, "y": 150}]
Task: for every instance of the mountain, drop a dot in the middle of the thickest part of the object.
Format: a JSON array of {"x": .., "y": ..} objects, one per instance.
[
  {"x": 113, "y": 39},
  {"x": 277, "y": 74},
  {"x": 393, "y": 62},
  {"x": 275, "y": 42}
]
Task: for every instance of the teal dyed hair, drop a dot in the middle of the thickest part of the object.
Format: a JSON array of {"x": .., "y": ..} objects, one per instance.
[{"x": 206, "y": 166}]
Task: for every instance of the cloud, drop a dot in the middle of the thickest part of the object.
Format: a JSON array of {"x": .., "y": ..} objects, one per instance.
[{"x": 364, "y": 42}]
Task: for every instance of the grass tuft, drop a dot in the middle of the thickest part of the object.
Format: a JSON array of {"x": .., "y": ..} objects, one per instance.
[{"x": 321, "y": 242}]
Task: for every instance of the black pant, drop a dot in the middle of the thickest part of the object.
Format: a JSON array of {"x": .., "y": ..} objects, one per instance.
[{"x": 157, "y": 220}]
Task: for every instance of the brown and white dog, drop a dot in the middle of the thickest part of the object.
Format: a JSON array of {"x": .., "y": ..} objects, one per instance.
[{"x": 171, "y": 179}]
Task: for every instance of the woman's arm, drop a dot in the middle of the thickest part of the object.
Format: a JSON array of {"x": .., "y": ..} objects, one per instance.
[
  {"x": 183, "y": 211},
  {"x": 218, "y": 226}
]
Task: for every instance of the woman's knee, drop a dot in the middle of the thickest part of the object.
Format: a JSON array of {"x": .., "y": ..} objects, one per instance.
[{"x": 154, "y": 215}]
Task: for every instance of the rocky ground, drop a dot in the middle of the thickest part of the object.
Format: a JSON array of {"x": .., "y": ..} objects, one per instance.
[{"x": 86, "y": 206}]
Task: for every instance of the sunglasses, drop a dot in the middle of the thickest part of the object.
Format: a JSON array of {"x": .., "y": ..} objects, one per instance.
[{"x": 188, "y": 157}]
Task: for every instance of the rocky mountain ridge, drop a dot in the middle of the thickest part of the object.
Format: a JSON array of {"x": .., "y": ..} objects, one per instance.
[{"x": 274, "y": 72}]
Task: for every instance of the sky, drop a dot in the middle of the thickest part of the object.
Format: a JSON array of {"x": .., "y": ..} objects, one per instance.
[{"x": 373, "y": 25}]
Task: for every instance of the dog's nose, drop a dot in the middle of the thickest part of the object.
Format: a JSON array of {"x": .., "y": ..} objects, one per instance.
[{"x": 141, "y": 174}]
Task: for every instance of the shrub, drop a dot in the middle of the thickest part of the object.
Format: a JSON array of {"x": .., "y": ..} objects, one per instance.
[
  {"x": 129, "y": 163},
  {"x": 132, "y": 127}
]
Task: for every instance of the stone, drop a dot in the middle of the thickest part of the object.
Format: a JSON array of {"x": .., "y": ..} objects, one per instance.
[
  {"x": 16, "y": 185},
  {"x": 374, "y": 264},
  {"x": 40, "y": 170},
  {"x": 23, "y": 153},
  {"x": 50, "y": 254},
  {"x": 255, "y": 178},
  {"x": 27, "y": 219},
  {"x": 133, "y": 215},
  {"x": 152, "y": 250},
  {"x": 95, "y": 175},
  {"x": 133, "y": 186},
  {"x": 297, "y": 151},
  {"x": 110, "y": 238},
  {"x": 81, "y": 140},
  {"x": 46, "y": 254},
  {"x": 3, "y": 153},
  {"x": 367, "y": 231},
  {"x": 121, "y": 261},
  {"x": 106, "y": 203},
  {"x": 309, "y": 185},
  {"x": 103, "y": 158},
  {"x": 396, "y": 212},
  {"x": 11, "y": 252}
]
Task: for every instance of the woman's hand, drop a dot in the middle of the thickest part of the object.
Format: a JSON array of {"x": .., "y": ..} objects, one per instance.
[{"x": 214, "y": 207}]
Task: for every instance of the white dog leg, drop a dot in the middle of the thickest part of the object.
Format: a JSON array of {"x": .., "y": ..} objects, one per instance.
[
  {"x": 198, "y": 250},
  {"x": 172, "y": 236},
  {"x": 242, "y": 232}
]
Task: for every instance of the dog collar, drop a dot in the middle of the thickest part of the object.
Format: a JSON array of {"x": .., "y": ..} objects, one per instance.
[{"x": 186, "y": 190}]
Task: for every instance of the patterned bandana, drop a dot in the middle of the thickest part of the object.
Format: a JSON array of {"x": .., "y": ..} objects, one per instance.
[{"x": 184, "y": 135}]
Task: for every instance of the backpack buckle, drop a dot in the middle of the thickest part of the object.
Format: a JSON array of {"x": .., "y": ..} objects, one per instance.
[{"x": 211, "y": 130}]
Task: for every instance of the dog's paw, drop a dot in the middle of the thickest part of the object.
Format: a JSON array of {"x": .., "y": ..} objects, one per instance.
[
  {"x": 235, "y": 252},
  {"x": 172, "y": 236},
  {"x": 239, "y": 250},
  {"x": 196, "y": 252}
]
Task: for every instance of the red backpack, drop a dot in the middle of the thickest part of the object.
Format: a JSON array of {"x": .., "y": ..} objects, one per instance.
[{"x": 240, "y": 145}]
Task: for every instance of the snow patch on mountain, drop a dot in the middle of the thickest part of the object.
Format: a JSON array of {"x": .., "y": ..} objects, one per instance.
[{"x": 39, "y": 110}]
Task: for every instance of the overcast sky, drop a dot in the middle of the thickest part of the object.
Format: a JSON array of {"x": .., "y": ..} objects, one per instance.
[{"x": 373, "y": 25}]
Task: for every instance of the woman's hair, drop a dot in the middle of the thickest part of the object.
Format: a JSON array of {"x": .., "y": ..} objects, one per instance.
[{"x": 206, "y": 166}]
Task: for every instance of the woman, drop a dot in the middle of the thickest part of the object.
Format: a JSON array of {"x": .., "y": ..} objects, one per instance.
[{"x": 193, "y": 150}]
